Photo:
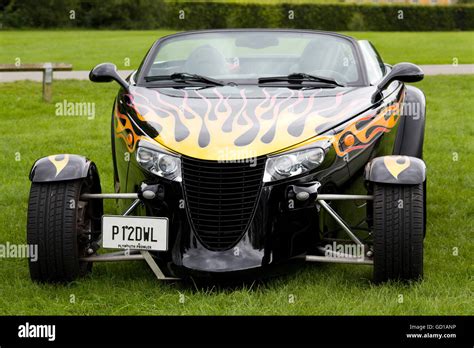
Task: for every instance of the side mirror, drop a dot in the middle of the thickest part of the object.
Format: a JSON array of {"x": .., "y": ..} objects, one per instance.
[
  {"x": 107, "y": 72},
  {"x": 404, "y": 72}
]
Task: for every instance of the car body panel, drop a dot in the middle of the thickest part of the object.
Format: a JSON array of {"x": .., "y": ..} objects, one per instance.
[
  {"x": 400, "y": 170},
  {"x": 60, "y": 168},
  {"x": 213, "y": 126},
  {"x": 410, "y": 138}
]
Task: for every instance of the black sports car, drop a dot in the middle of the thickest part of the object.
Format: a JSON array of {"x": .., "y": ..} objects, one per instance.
[{"x": 235, "y": 151}]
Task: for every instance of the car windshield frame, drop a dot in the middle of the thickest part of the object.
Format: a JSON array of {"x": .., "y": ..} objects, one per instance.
[{"x": 149, "y": 59}]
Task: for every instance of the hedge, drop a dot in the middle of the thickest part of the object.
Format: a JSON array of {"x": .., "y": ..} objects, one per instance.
[{"x": 153, "y": 14}]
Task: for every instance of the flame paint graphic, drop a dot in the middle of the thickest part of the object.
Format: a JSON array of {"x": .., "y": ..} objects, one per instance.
[
  {"x": 59, "y": 161},
  {"x": 206, "y": 127},
  {"x": 394, "y": 166},
  {"x": 367, "y": 128},
  {"x": 125, "y": 130}
]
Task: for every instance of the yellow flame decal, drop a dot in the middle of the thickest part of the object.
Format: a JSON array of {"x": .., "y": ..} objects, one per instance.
[
  {"x": 393, "y": 165},
  {"x": 59, "y": 164},
  {"x": 378, "y": 122},
  {"x": 220, "y": 131}
]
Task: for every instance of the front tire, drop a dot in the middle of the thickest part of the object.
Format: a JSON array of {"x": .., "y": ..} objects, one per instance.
[
  {"x": 398, "y": 228},
  {"x": 62, "y": 227}
]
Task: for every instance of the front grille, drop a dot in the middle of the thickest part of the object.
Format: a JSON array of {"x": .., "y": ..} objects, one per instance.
[{"x": 221, "y": 199}]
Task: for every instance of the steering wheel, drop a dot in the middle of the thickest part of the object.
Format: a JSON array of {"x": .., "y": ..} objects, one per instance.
[{"x": 329, "y": 74}]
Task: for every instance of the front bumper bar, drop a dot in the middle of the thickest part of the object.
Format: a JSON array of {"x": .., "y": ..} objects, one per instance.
[
  {"x": 327, "y": 197},
  {"x": 133, "y": 255}
]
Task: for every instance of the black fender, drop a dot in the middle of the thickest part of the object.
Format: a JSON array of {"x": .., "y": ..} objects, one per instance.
[
  {"x": 411, "y": 131},
  {"x": 401, "y": 170},
  {"x": 63, "y": 167}
]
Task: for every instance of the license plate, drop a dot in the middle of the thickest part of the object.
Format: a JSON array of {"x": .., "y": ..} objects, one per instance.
[{"x": 135, "y": 232}]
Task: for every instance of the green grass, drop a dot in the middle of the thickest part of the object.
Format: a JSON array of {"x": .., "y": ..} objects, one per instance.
[
  {"x": 366, "y": 2},
  {"x": 86, "y": 48},
  {"x": 31, "y": 130},
  {"x": 271, "y": 1}
]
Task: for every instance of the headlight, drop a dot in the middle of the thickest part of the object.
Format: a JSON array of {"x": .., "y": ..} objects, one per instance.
[
  {"x": 159, "y": 163},
  {"x": 295, "y": 163}
]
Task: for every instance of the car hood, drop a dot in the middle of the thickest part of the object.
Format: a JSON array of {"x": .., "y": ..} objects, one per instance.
[{"x": 240, "y": 122}]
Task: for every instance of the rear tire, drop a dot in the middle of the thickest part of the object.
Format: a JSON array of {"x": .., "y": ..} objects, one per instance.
[
  {"x": 62, "y": 228},
  {"x": 398, "y": 227}
]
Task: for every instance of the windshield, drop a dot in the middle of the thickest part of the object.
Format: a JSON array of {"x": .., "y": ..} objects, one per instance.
[{"x": 248, "y": 55}]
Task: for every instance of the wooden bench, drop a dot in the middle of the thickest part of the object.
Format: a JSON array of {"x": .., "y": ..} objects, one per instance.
[{"x": 46, "y": 68}]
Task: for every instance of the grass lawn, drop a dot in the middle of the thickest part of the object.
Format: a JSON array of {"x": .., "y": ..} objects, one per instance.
[
  {"x": 271, "y": 1},
  {"x": 86, "y": 48},
  {"x": 32, "y": 130}
]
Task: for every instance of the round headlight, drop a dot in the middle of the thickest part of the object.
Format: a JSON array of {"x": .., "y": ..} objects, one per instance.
[
  {"x": 159, "y": 163},
  {"x": 144, "y": 155},
  {"x": 167, "y": 164},
  {"x": 292, "y": 164},
  {"x": 284, "y": 165},
  {"x": 315, "y": 156}
]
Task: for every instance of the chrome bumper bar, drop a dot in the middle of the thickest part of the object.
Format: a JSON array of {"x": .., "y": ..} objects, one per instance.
[
  {"x": 327, "y": 197},
  {"x": 134, "y": 255}
]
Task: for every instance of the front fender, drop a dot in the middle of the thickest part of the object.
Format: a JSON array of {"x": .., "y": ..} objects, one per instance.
[
  {"x": 402, "y": 170},
  {"x": 411, "y": 131},
  {"x": 61, "y": 167}
]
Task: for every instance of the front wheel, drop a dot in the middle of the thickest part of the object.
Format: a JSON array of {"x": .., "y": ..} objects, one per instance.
[
  {"x": 64, "y": 229},
  {"x": 398, "y": 229}
]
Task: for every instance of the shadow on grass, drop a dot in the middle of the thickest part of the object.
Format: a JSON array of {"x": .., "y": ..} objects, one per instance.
[
  {"x": 137, "y": 275},
  {"x": 295, "y": 272}
]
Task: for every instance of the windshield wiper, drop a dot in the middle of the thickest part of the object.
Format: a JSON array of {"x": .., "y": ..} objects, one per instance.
[
  {"x": 186, "y": 77},
  {"x": 298, "y": 78}
]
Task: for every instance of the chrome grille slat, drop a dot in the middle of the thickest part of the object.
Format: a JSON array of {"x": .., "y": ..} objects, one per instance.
[{"x": 221, "y": 199}]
